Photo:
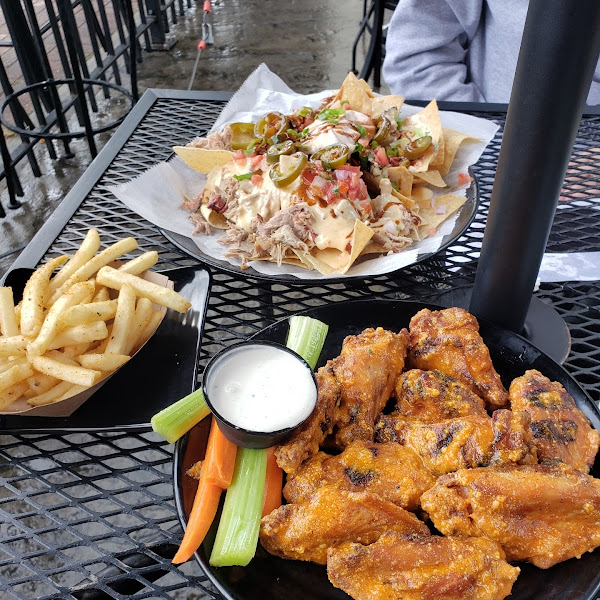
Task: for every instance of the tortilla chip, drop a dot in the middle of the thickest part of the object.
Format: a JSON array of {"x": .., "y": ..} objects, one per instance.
[
  {"x": 330, "y": 260},
  {"x": 382, "y": 103},
  {"x": 403, "y": 178},
  {"x": 214, "y": 218},
  {"x": 203, "y": 160},
  {"x": 425, "y": 122},
  {"x": 432, "y": 178},
  {"x": 430, "y": 209},
  {"x": 452, "y": 141},
  {"x": 438, "y": 160},
  {"x": 357, "y": 92}
]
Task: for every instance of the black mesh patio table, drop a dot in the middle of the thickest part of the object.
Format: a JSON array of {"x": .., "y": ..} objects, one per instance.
[{"x": 88, "y": 515}]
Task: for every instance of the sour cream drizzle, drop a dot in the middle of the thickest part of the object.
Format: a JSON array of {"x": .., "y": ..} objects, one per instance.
[{"x": 261, "y": 388}]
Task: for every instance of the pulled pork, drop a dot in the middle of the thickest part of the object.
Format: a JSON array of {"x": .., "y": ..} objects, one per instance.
[{"x": 214, "y": 141}]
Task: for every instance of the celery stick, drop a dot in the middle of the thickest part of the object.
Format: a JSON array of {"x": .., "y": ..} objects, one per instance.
[
  {"x": 237, "y": 535},
  {"x": 306, "y": 337},
  {"x": 175, "y": 420}
]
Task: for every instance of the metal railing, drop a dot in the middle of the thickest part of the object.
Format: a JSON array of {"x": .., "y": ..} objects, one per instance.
[{"x": 62, "y": 57}]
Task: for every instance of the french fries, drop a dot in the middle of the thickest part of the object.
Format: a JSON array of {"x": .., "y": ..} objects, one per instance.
[{"x": 76, "y": 327}]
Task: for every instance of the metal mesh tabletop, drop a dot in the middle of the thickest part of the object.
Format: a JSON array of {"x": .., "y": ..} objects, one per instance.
[{"x": 91, "y": 515}]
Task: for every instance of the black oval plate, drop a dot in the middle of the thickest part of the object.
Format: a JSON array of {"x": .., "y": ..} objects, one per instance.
[
  {"x": 270, "y": 578},
  {"x": 466, "y": 214}
]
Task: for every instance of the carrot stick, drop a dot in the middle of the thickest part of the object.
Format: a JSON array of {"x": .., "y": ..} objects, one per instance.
[
  {"x": 216, "y": 475},
  {"x": 219, "y": 461},
  {"x": 273, "y": 483},
  {"x": 206, "y": 503}
]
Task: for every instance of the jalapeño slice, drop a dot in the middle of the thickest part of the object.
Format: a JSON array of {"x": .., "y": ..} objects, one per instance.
[
  {"x": 276, "y": 151},
  {"x": 417, "y": 147},
  {"x": 383, "y": 130},
  {"x": 333, "y": 156},
  {"x": 294, "y": 167},
  {"x": 242, "y": 135},
  {"x": 270, "y": 125}
]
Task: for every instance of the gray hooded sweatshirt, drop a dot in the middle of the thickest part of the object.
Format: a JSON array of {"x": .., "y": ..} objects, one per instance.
[{"x": 463, "y": 50}]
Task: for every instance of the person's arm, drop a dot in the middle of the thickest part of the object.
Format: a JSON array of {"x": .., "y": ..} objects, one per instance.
[{"x": 426, "y": 50}]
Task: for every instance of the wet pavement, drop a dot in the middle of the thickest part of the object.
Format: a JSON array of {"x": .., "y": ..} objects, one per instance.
[{"x": 306, "y": 42}]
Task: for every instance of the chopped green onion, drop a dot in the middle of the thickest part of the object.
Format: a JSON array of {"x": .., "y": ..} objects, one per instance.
[
  {"x": 374, "y": 144},
  {"x": 252, "y": 145},
  {"x": 243, "y": 177},
  {"x": 175, "y": 420},
  {"x": 305, "y": 111},
  {"x": 395, "y": 186},
  {"x": 306, "y": 337},
  {"x": 237, "y": 536},
  {"x": 360, "y": 129},
  {"x": 329, "y": 114}
]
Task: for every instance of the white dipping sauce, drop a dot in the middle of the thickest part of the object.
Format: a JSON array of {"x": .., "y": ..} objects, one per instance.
[{"x": 261, "y": 388}]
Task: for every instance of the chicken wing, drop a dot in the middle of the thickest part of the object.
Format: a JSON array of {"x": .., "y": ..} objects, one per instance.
[
  {"x": 449, "y": 340},
  {"x": 540, "y": 513},
  {"x": 367, "y": 369},
  {"x": 305, "y": 443},
  {"x": 433, "y": 396},
  {"x": 467, "y": 442},
  {"x": 329, "y": 518},
  {"x": 411, "y": 567},
  {"x": 390, "y": 470},
  {"x": 561, "y": 431}
]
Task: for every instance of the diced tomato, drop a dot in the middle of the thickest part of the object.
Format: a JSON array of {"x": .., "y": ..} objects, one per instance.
[
  {"x": 308, "y": 175},
  {"x": 363, "y": 142},
  {"x": 239, "y": 155},
  {"x": 348, "y": 167},
  {"x": 256, "y": 160},
  {"x": 343, "y": 187},
  {"x": 464, "y": 179},
  {"x": 381, "y": 156},
  {"x": 366, "y": 207},
  {"x": 256, "y": 180}
]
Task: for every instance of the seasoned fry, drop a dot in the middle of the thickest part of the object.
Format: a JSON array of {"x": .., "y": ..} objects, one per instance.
[
  {"x": 51, "y": 395},
  {"x": 87, "y": 313},
  {"x": 160, "y": 295},
  {"x": 140, "y": 264},
  {"x": 79, "y": 334},
  {"x": 15, "y": 375},
  {"x": 103, "y": 362},
  {"x": 77, "y": 349},
  {"x": 85, "y": 252},
  {"x": 40, "y": 383},
  {"x": 13, "y": 346},
  {"x": 8, "y": 320},
  {"x": 60, "y": 370},
  {"x": 32, "y": 311},
  {"x": 101, "y": 295},
  {"x": 10, "y": 395},
  {"x": 123, "y": 321},
  {"x": 92, "y": 266},
  {"x": 151, "y": 326},
  {"x": 143, "y": 313},
  {"x": 51, "y": 323}
]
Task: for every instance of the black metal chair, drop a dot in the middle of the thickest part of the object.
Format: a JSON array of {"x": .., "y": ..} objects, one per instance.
[
  {"x": 52, "y": 98},
  {"x": 372, "y": 25}
]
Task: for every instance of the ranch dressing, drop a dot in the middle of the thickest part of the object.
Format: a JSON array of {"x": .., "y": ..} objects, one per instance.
[{"x": 261, "y": 388}]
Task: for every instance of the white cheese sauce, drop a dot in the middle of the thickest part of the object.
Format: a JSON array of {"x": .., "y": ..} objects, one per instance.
[{"x": 261, "y": 388}]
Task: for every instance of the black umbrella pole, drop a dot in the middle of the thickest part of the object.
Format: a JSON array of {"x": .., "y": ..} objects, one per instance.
[{"x": 559, "y": 52}]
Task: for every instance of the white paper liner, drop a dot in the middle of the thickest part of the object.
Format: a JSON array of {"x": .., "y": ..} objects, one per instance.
[{"x": 157, "y": 194}]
